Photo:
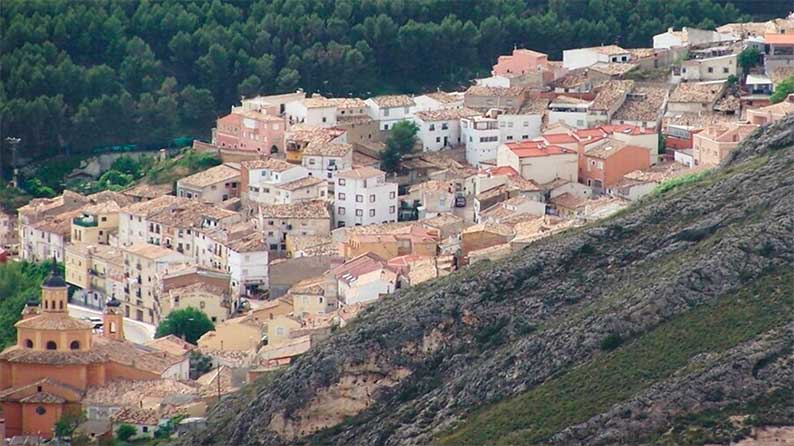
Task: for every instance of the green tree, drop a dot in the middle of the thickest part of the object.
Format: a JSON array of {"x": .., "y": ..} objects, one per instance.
[
  {"x": 188, "y": 323},
  {"x": 401, "y": 140},
  {"x": 782, "y": 90},
  {"x": 748, "y": 58},
  {"x": 68, "y": 422},
  {"x": 125, "y": 432},
  {"x": 127, "y": 164}
]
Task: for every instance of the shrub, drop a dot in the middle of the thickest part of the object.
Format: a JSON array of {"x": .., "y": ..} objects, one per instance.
[
  {"x": 611, "y": 342},
  {"x": 125, "y": 432}
]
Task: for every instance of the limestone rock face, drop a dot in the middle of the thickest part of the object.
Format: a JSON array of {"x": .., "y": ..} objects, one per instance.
[{"x": 420, "y": 363}]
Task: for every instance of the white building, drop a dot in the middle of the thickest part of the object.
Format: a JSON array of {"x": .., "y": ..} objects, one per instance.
[
  {"x": 440, "y": 128},
  {"x": 324, "y": 160},
  {"x": 389, "y": 110},
  {"x": 437, "y": 101},
  {"x": 709, "y": 69},
  {"x": 570, "y": 111},
  {"x": 134, "y": 219},
  {"x": 363, "y": 279},
  {"x": 248, "y": 264},
  {"x": 540, "y": 162},
  {"x": 269, "y": 181},
  {"x": 363, "y": 197},
  {"x": 690, "y": 36},
  {"x": 481, "y": 137},
  {"x": 315, "y": 111},
  {"x": 519, "y": 125},
  {"x": 585, "y": 57}
]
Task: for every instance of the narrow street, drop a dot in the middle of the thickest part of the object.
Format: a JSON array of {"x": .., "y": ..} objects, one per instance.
[{"x": 134, "y": 331}]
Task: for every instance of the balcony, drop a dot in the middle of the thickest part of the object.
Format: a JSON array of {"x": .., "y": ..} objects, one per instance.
[{"x": 86, "y": 222}]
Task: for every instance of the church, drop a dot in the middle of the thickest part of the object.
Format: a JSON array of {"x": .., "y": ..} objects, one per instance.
[{"x": 57, "y": 358}]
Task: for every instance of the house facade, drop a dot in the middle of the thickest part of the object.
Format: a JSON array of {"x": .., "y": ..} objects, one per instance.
[{"x": 364, "y": 197}]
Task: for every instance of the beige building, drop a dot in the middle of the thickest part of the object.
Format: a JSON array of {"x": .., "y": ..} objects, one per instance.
[
  {"x": 695, "y": 97},
  {"x": 98, "y": 270},
  {"x": 215, "y": 302},
  {"x": 8, "y": 229},
  {"x": 214, "y": 185},
  {"x": 280, "y": 220},
  {"x": 245, "y": 332},
  {"x": 145, "y": 265},
  {"x": 714, "y": 143},
  {"x": 308, "y": 297},
  {"x": 766, "y": 115},
  {"x": 96, "y": 223}
]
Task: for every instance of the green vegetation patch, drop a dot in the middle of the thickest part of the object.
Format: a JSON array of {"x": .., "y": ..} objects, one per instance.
[
  {"x": 19, "y": 281},
  {"x": 531, "y": 417}
]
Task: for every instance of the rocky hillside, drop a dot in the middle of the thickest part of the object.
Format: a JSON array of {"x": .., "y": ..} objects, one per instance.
[{"x": 657, "y": 326}]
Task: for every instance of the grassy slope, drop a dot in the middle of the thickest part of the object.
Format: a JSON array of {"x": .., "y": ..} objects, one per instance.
[{"x": 592, "y": 388}]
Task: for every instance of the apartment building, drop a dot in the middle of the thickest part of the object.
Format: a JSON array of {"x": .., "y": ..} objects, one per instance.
[
  {"x": 134, "y": 219},
  {"x": 585, "y": 57},
  {"x": 481, "y": 136},
  {"x": 441, "y": 128},
  {"x": 315, "y": 111},
  {"x": 714, "y": 143},
  {"x": 249, "y": 129},
  {"x": 96, "y": 223},
  {"x": 214, "y": 185},
  {"x": 324, "y": 160},
  {"x": 279, "y": 220},
  {"x": 98, "y": 272},
  {"x": 389, "y": 110},
  {"x": 363, "y": 197},
  {"x": 275, "y": 181},
  {"x": 145, "y": 265}
]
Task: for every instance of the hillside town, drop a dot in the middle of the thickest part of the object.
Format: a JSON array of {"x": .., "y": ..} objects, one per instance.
[{"x": 301, "y": 226}]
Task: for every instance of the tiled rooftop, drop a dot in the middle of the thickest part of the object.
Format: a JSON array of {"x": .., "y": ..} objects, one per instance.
[
  {"x": 318, "y": 101},
  {"x": 612, "y": 68},
  {"x": 301, "y": 183},
  {"x": 348, "y": 103},
  {"x": 131, "y": 393},
  {"x": 446, "y": 114},
  {"x": 310, "y": 134},
  {"x": 477, "y": 90},
  {"x": 609, "y": 50},
  {"x": 213, "y": 175},
  {"x": 495, "y": 228},
  {"x": 153, "y": 206},
  {"x": 148, "y": 191},
  {"x": 443, "y": 97},
  {"x": 149, "y": 251},
  {"x": 304, "y": 210},
  {"x": 328, "y": 149},
  {"x": 361, "y": 172},
  {"x": 572, "y": 79},
  {"x": 391, "y": 101},
  {"x": 704, "y": 93},
  {"x": 274, "y": 164},
  {"x": 643, "y": 104},
  {"x": 611, "y": 93}
]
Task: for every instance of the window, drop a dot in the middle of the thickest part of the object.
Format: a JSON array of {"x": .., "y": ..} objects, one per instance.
[
  {"x": 145, "y": 429},
  {"x": 311, "y": 161},
  {"x": 509, "y": 137},
  {"x": 359, "y": 213},
  {"x": 391, "y": 209},
  {"x": 385, "y": 112},
  {"x": 359, "y": 198},
  {"x": 372, "y": 198},
  {"x": 28, "y": 343},
  {"x": 385, "y": 126},
  {"x": 510, "y": 125},
  {"x": 341, "y": 195},
  {"x": 41, "y": 410},
  {"x": 432, "y": 127},
  {"x": 372, "y": 212},
  {"x": 444, "y": 126},
  {"x": 51, "y": 345},
  {"x": 524, "y": 136},
  {"x": 392, "y": 194},
  {"x": 725, "y": 70},
  {"x": 202, "y": 304},
  {"x": 325, "y": 119},
  {"x": 526, "y": 123},
  {"x": 438, "y": 139},
  {"x": 340, "y": 210},
  {"x": 341, "y": 181},
  {"x": 75, "y": 345},
  {"x": 711, "y": 69}
]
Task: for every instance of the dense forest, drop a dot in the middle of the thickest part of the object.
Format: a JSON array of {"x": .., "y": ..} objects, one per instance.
[{"x": 78, "y": 75}]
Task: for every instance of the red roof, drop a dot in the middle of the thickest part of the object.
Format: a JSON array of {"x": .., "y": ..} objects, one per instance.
[
  {"x": 502, "y": 170},
  {"x": 560, "y": 138},
  {"x": 779, "y": 39},
  {"x": 531, "y": 149}
]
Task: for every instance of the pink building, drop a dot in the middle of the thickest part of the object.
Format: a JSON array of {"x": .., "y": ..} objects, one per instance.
[
  {"x": 714, "y": 143},
  {"x": 771, "y": 113},
  {"x": 250, "y": 130},
  {"x": 524, "y": 63}
]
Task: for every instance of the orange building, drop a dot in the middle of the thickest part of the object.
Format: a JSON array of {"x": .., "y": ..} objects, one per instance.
[
  {"x": 58, "y": 357},
  {"x": 606, "y": 164}
]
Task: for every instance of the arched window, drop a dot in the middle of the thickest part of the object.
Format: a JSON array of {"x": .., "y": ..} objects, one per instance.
[
  {"x": 51, "y": 345},
  {"x": 46, "y": 305},
  {"x": 28, "y": 343},
  {"x": 75, "y": 345},
  {"x": 60, "y": 305}
]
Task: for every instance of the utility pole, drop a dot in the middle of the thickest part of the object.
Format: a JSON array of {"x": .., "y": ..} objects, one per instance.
[{"x": 13, "y": 143}]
